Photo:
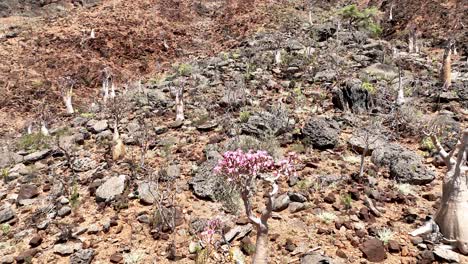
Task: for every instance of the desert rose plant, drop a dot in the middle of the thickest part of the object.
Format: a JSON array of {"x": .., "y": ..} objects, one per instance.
[{"x": 242, "y": 169}]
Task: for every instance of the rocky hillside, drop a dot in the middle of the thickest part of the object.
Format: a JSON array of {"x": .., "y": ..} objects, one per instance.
[{"x": 126, "y": 181}]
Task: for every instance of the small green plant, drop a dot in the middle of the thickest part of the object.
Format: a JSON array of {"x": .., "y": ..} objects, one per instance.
[
  {"x": 347, "y": 201},
  {"x": 303, "y": 185},
  {"x": 184, "y": 69},
  {"x": 75, "y": 196},
  {"x": 87, "y": 115},
  {"x": 298, "y": 147},
  {"x": 385, "y": 235},
  {"x": 366, "y": 19},
  {"x": 33, "y": 142},
  {"x": 369, "y": 87},
  {"x": 327, "y": 217},
  {"x": 405, "y": 188},
  {"x": 5, "y": 174},
  {"x": 134, "y": 257},
  {"x": 244, "y": 116},
  {"x": 6, "y": 228},
  {"x": 427, "y": 144}
]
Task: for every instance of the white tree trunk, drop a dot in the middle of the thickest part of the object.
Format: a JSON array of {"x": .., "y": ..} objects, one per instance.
[
  {"x": 67, "y": 99},
  {"x": 179, "y": 102},
  {"x": 112, "y": 93},
  {"x": 401, "y": 94},
  {"x": 452, "y": 216},
  {"x": 410, "y": 44},
  {"x": 278, "y": 59},
  {"x": 44, "y": 130},
  {"x": 390, "y": 15}
]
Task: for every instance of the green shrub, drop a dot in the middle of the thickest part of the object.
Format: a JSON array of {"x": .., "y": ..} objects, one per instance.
[
  {"x": 365, "y": 19},
  {"x": 33, "y": 142},
  {"x": 369, "y": 87},
  {"x": 244, "y": 116},
  {"x": 184, "y": 69}
]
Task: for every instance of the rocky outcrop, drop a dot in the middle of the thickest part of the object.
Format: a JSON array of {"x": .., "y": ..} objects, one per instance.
[{"x": 321, "y": 133}]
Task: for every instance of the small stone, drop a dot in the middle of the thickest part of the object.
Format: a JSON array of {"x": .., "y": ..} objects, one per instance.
[
  {"x": 429, "y": 196},
  {"x": 340, "y": 253},
  {"x": 281, "y": 202},
  {"x": 446, "y": 255},
  {"x": 66, "y": 249},
  {"x": 330, "y": 198},
  {"x": 26, "y": 255},
  {"x": 393, "y": 246},
  {"x": 111, "y": 188},
  {"x": 93, "y": 229},
  {"x": 238, "y": 232},
  {"x": 116, "y": 258},
  {"x": 82, "y": 256},
  {"x": 416, "y": 240},
  {"x": 64, "y": 200},
  {"x": 64, "y": 211},
  {"x": 27, "y": 191},
  {"x": 98, "y": 126},
  {"x": 6, "y": 214},
  {"x": 295, "y": 207},
  {"x": 7, "y": 260},
  {"x": 289, "y": 246},
  {"x": 144, "y": 218},
  {"x": 35, "y": 241},
  {"x": 373, "y": 250},
  {"x": 297, "y": 197}
]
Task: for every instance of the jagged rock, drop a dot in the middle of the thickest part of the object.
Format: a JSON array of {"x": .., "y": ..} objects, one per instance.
[
  {"x": 8, "y": 157},
  {"x": 82, "y": 256},
  {"x": 205, "y": 183},
  {"x": 111, "y": 188},
  {"x": 411, "y": 170},
  {"x": 6, "y": 214},
  {"x": 325, "y": 76},
  {"x": 27, "y": 255},
  {"x": 97, "y": 126},
  {"x": 382, "y": 71},
  {"x": 324, "y": 31},
  {"x": 147, "y": 191},
  {"x": 170, "y": 173},
  {"x": 373, "y": 250},
  {"x": 35, "y": 156},
  {"x": 297, "y": 197},
  {"x": 27, "y": 191},
  {"x": 262, "y": 124},
  {"x": 405, "y": 165},
  {"x": 84, "y": 164},
  {"x": 352, "y": 97},
  {"x": 64, "y": 211},
  {"x": 66, "y": 249},
  {"x": 35, "y": 241},
  {"x": 7, "y": 259},
  {"x": 281, "y": 202},
  {"x": 446, "y": 255},
  {"x": 295, "y": 207},
  {"x": 316, "y": 258},
  {"x": 321, "y": 133},
  {"x": 238, "y": 232}
]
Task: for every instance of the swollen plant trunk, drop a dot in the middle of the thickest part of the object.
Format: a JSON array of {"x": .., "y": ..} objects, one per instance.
[
  {"x": 452, "y": 216},
  {"x": 44, "y": 130},
  {"x": 446, "y": 76},
  {"x": 179, "y": 102},
  {"x": 67, "y": 99},
  {"x": 401, "y": 94},
  {"x": 261, "y": 246}
]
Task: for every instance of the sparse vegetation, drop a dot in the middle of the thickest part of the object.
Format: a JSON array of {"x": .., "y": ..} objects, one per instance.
[
  {"x": 405, "y": 188},
  {"x": 33, "y": 142},
  {"x": 385, "y": 235},
  {"x": 327, "y": 217},
  {"x": 367, "y": 18}
]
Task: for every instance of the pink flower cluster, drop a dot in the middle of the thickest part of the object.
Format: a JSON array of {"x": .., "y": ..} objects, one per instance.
[
  {"x": 238, "y": 165},
  {"x": 207, "y": 236}
]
